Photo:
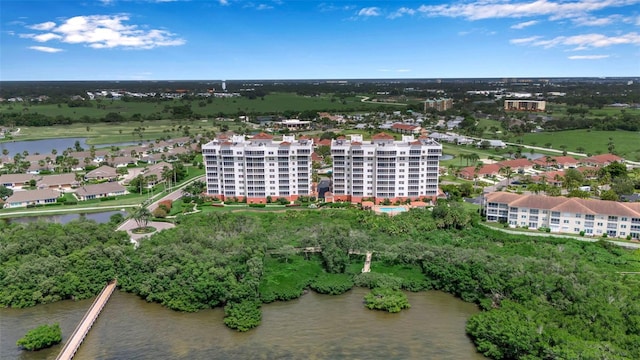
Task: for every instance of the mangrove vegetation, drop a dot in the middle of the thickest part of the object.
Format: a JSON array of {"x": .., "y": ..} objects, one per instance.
[{"x": 542, "y": 298}]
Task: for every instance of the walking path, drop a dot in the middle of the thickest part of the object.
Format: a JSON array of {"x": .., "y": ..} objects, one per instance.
[
  {"x": 72, "y": 345},
  {"x": 367, "y": 263}
]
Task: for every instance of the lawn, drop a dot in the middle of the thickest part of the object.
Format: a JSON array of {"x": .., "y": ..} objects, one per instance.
[
  {"x": 106, "y": 133},
  {"x": 594, "y": 142}
]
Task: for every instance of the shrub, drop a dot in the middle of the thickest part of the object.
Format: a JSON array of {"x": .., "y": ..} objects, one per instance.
[
  {"x": 386, "y": 299},
  {"x": 332, "y": 284},
  {"x": 166, "y": 204},
  {"x": 282, "y": 201},
  {"x": 106, "y": 198},
  {"x": 41, "y": 337},
  {"x": 242, "y": 316},
  {"x": 160, "y": 213},
  {"x": 257, "y": 205}
]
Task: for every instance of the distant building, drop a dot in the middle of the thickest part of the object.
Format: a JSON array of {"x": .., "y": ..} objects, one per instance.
[
  {"x": 441, "y": 104},
  {"x": 524, "y": 105}
]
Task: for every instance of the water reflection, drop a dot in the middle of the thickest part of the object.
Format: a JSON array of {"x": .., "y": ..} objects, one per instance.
[{"x": 99, "y": 217}]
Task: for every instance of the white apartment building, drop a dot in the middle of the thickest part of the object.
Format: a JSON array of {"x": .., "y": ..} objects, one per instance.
[
  {"x": 565, "y": 215},
  {"x": 384, "y": 168},
  {"x": 257, "y": 168}
]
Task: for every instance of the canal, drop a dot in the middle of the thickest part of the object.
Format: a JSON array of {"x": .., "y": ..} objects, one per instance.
[{"x": 312, "y": 327}]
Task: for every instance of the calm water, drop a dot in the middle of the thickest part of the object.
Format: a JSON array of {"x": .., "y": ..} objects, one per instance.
[
  {"x": 45, "y": 146},
  {"x": 446, "y": 157},
  {"x": 312, "y": 327},
  {"x": 99, "y": 217}
]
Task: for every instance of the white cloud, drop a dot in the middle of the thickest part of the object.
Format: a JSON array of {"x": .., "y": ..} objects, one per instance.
[
  {"x": 224, "y": 2},
  {"x": 525, "y": 24},
  {"x": 582, "y": 42},
  {"x": 369, "y": 11},
  {"x": 43, "y": 26},
  {"x": 106, "y": 31},
  {"x": 46, "y": 37},
  {"x": 594, "y": 21},
  {"x": 264, "y": 7},
  {"x": 45, "y": 49},
  {"x": 401, "y": 12},
  {"x": 587, "y": 57},
  {"x": 524, "y": 40},
  {"x": 488, "y": 9}
]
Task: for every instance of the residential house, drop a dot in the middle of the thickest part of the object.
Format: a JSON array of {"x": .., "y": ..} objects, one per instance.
[
  {"x": 104, "y": 172},
  {"x": 486, "y": 170},
  {"x": 560, "y": 162},
  {"x": 601, "y": 160},
  {"x": 32, "y": 197},
  {"x": 406, "y": 128},
  {"x": 517, "y": 165},
  {"x": 60, "y": 182},
  {"x": 154, "y": 173},
  {"x": 122, "y": 161},
  {"x": 16, "y": 181},
  {"x": 565, "y": 215},
  {"x": 96, "y": 191},
  {"x": 492, "y": 143}
]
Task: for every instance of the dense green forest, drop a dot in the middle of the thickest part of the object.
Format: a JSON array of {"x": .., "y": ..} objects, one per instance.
[{"x": 543, "y": 298}]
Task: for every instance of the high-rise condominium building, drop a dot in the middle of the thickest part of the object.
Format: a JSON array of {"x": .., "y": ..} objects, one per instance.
[
  {"x": 258, "y": 168},
  {"x": 385, "y": 169}
]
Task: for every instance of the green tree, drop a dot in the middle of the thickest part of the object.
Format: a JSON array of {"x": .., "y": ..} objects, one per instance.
[{"x": 41, "y": 337}]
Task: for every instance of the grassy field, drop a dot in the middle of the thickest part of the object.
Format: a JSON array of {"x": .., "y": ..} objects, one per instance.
[
  {"x": 627, "y": 143},
  {"x": 105, "y": 133},
  {"x": 272, "y": 103}
]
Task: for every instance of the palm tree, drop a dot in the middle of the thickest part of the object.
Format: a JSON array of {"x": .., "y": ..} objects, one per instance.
[
  {"x": 473, "y": 157},
  {"x": 141, "y": 215},
  {"x": 508, "y": 173}
]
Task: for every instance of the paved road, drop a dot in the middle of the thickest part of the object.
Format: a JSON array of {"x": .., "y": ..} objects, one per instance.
[{"x": 130, "y": 224}]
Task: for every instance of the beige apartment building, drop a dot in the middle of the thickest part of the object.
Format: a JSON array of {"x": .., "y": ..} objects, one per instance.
[{"x": 564, "y": 215}]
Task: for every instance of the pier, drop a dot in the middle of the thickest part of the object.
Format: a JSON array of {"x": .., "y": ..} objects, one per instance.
[
  {"x": 74, "y": 342},
  {"x": 367, "y": 263}
]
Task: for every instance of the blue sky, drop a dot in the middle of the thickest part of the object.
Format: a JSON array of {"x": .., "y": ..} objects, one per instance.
[{"x": 265, "y": 39}]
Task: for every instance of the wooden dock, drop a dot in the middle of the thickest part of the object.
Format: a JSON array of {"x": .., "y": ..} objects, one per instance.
[{"x": 74, "y": 342}]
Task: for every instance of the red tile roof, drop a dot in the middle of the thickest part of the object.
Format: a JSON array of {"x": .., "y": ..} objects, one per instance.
[
  {"x": 603, "y": 159},
  {"x": 382, "y": 136},
  {"x": 401, "y": 126},
  {"x": 262, "y": 136},
  {"x": 516, "y": 163}
]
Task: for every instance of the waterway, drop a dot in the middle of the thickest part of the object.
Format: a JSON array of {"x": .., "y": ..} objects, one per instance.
[
  {"x": 45, "y": 146},
  {"x": 312, "y": 327},
  {"x": 99, "y": 217}
]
